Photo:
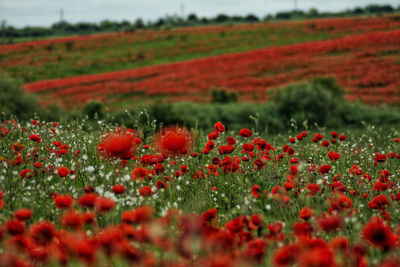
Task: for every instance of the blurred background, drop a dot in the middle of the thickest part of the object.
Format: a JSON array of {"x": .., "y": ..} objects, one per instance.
[
  {"x": 273, "y": 64},
  {"x": 20, "y": 13}
]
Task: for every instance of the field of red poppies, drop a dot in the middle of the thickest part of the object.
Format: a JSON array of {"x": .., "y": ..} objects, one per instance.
[
  {"x": 73, "y": 194},
  {"x": 88, "y": 191},
  {"x": 366, "y": 66},
  {"x": 72, "y": 56}
]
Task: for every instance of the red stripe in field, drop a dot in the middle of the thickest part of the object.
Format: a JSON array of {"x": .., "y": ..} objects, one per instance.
[{"x": 366, "y": 65}]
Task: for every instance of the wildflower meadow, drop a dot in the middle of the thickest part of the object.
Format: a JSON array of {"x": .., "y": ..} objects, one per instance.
[
  {"x": 206, "y": 142},
  {"x": 177, "y": 197}
]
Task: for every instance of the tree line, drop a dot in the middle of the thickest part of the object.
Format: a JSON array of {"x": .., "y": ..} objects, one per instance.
[{"x": 8, "y": 33}]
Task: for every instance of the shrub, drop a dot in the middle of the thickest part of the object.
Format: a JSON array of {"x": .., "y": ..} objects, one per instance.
[
  {"x": 14, "y": 101},
  {"x": 223, "y": 96},
  {"x": 94, "y": 110},
  {"x": 315, "y": 101}
]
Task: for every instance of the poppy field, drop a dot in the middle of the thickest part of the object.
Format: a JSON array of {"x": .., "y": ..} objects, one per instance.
[
  {"x": 71, "y": 56},
  {"x": 366, "y": 66},
  {"x": 81, "y": 194}
]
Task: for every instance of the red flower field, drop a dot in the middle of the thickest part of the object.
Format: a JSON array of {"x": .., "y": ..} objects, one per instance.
[
  {"x": 237, "y": 199},
  {"x": 366, "y": 65}
]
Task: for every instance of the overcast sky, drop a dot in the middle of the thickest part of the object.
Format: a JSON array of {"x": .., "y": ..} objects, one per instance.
[{"x": 45, "y": 12}]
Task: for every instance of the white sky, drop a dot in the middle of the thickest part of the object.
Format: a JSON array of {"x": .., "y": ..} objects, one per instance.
[{"x": 45, "y": 12}]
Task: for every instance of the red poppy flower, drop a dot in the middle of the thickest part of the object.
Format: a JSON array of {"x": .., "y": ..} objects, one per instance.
[
  {"x": 317, "y": 257},
  {"x": 72, "y": 219},
  {"x": 42, "y": 233},
  {"x": 379, "y": 202},
  {"x": 293, "y": 170},
  {"x": 379, "y": 234},
  {"x": 226, "y": 149},
  {"x": 234, "y": 226},
  {"x": 139, "y": 172},
  {"x": 213, "y": 135},
  {"x": 302, "y": 229},
  {"x": 118, "y": 189},
  {"x": 318, "y": 136},
  {"x": 256, "y": 249},
  {"x": 380, "y": 157},
  {"x": 219, "y": 127},
  {"x": 341, "y": 202},
  {"x": 209, "y": 215},
  {"x": 26, "y": 173},
  {"x": 306, "y": 213},
  {"x": 255, "y": 191},
  {"x": 286, "y": 255},
  {"x": 119, "y": 144},
  {"x": 104, "y": 204},
  {"x": 325, "y": 143},
  {"x": 23, "y": 214},
  {"x": 290, "y": 151},
  {"x": 329, "y": 223},
  {"x": 88, "y": 200},
  {"x": 247, "y": 148},
  {"x": 175, "y": 141},
  {"x": 160, "y": 184},
  {"x": 324, "y": 169},
  {"x": 230, "y": 140},
  {"x": 145, "y": 191},
  {"x": 35, "y": 138},
  {"x": 63, "y": 201},
  {"x": 15, "y": 227},
  {"x": 314, "y": 188},
  {"x": 245, "y": 132},
  {"x": 62, "y": 171},
  {"x": 333, "y": 156},
  {"x": 210, "y": 145}
]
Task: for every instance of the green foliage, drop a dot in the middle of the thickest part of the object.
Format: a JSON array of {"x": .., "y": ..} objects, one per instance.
[
  {"x": 94, "y": 110},
  {"x": 14, "y": 102},
  {"x": 320, "y": 102},
  {"x": 222, "y": 96},
  {"x": 313, "y": 101}
]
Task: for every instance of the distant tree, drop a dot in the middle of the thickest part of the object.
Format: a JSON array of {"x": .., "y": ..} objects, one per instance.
[
  {"x": 358, "y": 11},
  {"x": 251, "y": 18},
  {"x": 84, "y": 26},
  {"x": 160, "y": 22},
  {"x": 60, "y": 26},
  {"x": 268, "y": 17},
  {"x": 192, "y": 18},
  {"x": 387, "y": 9},
  {"x": 298, "y": 13},
  {"x": 107, "y": 25},
  {"x": 204, "y": 20},
  {"x": 283, "y": 15},
  {"x": 379, "y": 9},
  {"x": 139, "y": 24},
  {"x": 125, "y": 23},
  {"x": 221, "y": 18},
  {"x": 313, "y": 12}
]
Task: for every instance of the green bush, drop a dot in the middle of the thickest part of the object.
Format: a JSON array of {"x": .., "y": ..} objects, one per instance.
[
  {"x": 222, "y": 96},
  {"x": 15, "y": 102},
  {"x": 94, "y": 110},
  {"x": 315, "y": 101}
]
